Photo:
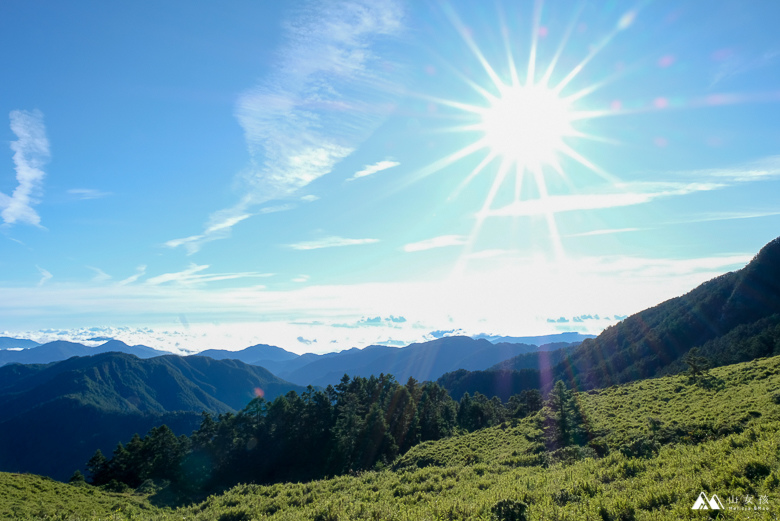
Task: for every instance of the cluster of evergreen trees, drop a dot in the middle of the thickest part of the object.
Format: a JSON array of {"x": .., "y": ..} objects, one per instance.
[{"x": 361, "y": 423}]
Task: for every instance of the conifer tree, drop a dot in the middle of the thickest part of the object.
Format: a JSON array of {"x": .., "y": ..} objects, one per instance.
[{"x": 97, "y": 466}]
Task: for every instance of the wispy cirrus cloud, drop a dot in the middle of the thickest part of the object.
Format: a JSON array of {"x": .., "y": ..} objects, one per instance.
[
  {"x": 217, "y": 227},
  {"x": 140, "y": 271},
  {"x": 759, "y": 170},
  {"x": 192, "y": 275},
  {"x": 643, "y": 192},
  {"x": 100, "y": 275},
  {"x": 733, "y": 64},
  {"x": 728, "y": 216},
  {"x": 277, "y": 208},
  {"x": 88, "y": 193},
  {"x": 628, "y": 195},
  {"x": 331, "y": 89},
  {"x": 441, "y": 241},
  {"x": 330, "y": 242},
  {"x": 373, "y": 169},
  {"x": 606, "y": 231},
  {"x": 45, "y": 276},
  {"x": 31, "y": 152}
]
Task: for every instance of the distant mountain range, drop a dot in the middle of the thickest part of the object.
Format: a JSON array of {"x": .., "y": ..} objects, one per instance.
[
  {"x": 422, "y": 361},
  {"x": 62, "y": 350},
  {"x": 542, "y": 340},
  {"x": 16, "y": 343},
  {"x": 54, "y": 416}
]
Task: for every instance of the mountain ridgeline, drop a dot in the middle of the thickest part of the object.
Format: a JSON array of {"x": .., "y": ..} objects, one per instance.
[
  {"x": 744, "y": 303},
  {"x": 424, "y": 361},
  {"x": 34, "y": 353},
  {"x": 729, "y": 319}
]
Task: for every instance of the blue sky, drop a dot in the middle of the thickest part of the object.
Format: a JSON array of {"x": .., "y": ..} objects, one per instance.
[{"x": 322, "y": 175}]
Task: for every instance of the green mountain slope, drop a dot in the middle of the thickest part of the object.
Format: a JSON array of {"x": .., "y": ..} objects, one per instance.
[
  {"x": 54, "y": 416},
  {"x": 648, "y": 343}
]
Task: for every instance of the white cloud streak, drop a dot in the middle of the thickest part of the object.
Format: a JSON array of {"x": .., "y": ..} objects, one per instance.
[
  {"x": 140, "y": 271},
  {"x": 763, "y": 169},
  {"x": 45, "y": 276},
  {"x": 330, "y": 242},
  {"x": 728, "y": 216},
  {"x": 31, "y": 152},
  {"x": 441, "y": 241},
  {"x": 192, "y": 275},
  {"x": 637, "y": 193},
  {"x": 278, "y": 208},
  {"x": 373, "y": 169},
  {"x": 609, "y": 231},
  {"x": 737, "y": 65},
  {"x": 100, "y": 275},
  {"x": 331, "y": 89},
  {"x": 88, "y": 193}
]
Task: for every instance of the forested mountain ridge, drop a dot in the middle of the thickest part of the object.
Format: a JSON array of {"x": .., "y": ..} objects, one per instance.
[
  {"x": 97, "y": 401},
  {"x": 653, "y": 342}
]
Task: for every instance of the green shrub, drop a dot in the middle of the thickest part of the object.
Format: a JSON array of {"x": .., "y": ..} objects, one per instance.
[
  {"x": 620, "y": 510},
  {"x": 115, "y": 486},
  {"x": 755, "y": 470},
  {"x": 235, "y": 514},
  {"x": 509, "y": 510}
]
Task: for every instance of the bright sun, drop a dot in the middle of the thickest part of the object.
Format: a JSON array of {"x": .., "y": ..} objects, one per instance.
[{"x": 526, "y": 125}]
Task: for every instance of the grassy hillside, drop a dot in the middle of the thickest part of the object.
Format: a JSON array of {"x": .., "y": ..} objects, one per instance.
[
  {"x": 30, "y": 497},
  {"x": 662, "y": 442},
  {"x": 635, "y": 419}
]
